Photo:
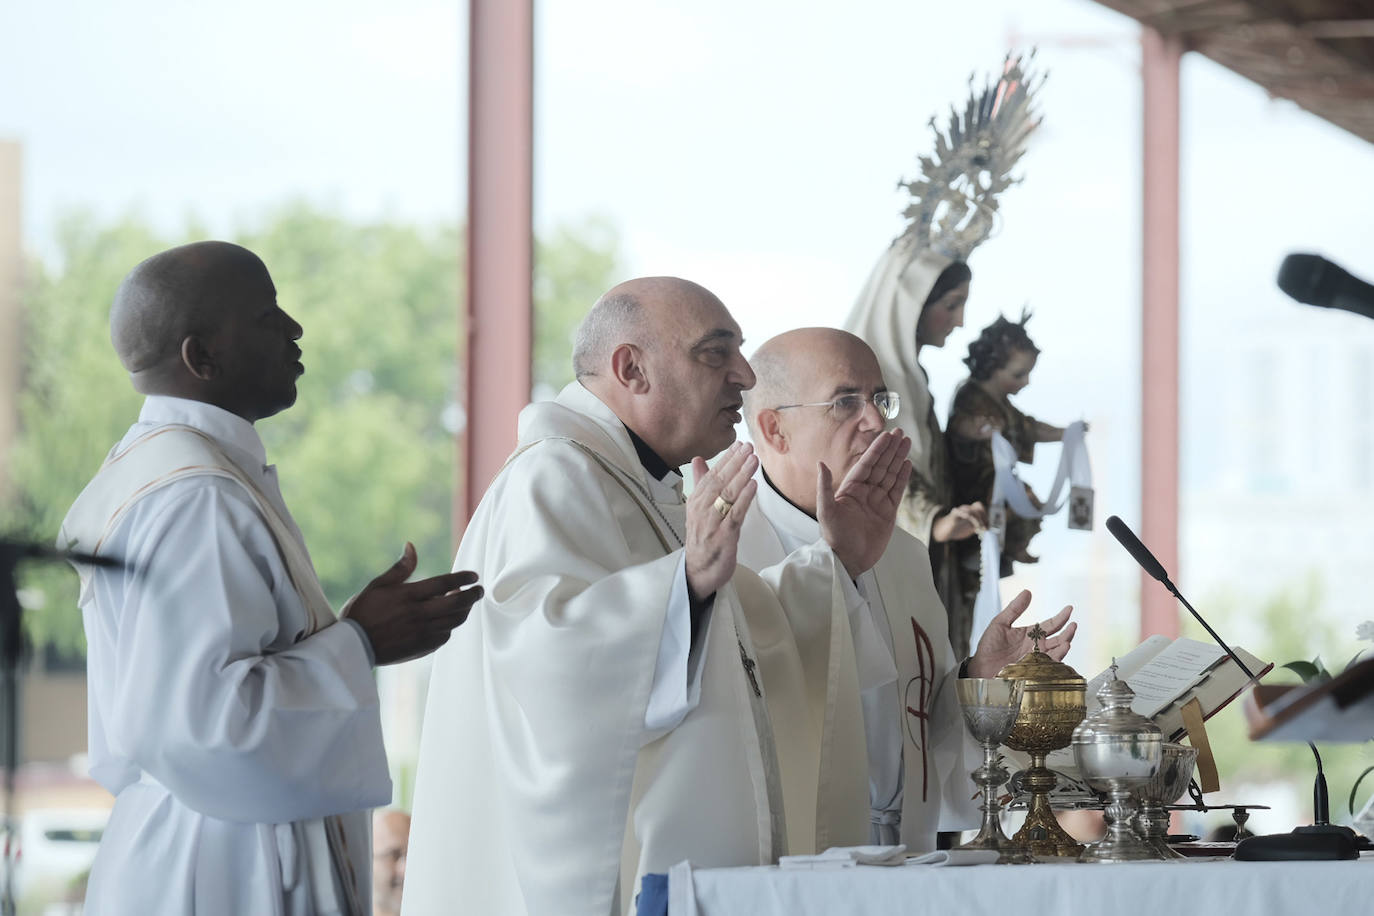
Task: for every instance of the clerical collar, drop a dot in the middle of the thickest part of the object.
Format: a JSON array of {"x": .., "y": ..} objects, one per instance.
[
  {"x": 775, "y": 489},
  {"x": 656, "y": 466}
]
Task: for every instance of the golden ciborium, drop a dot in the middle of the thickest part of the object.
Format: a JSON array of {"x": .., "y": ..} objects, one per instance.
[{"x": 1052, "y": 705}]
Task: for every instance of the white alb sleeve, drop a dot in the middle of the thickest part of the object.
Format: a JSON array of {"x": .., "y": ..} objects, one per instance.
[{"x": 677, "y": 673}]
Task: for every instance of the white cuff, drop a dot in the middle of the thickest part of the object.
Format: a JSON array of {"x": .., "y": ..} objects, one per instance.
[
  {"x": 367, "y": 643},
  {"x": 677, "y": 673}
]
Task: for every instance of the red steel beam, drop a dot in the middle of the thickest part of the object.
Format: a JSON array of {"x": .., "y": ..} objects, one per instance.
[
  {"x": 497, "y": 336},
  {"x": 1159, "y": 361}
]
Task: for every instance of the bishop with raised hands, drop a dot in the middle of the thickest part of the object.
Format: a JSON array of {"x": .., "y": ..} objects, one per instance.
[{"x": 895, "y": 746}]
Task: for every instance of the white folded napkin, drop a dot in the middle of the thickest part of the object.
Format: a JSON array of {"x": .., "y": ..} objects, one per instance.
[
  {"x": 848, "y": 857},
  {"x": 956, "y": 857}
]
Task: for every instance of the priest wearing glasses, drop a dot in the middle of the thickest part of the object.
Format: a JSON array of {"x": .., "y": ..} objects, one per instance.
[{"x": 818, "y": 405}]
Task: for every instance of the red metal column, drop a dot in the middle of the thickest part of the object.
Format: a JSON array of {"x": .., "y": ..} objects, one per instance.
[
  {"x": 1160, "y": 58},
  {"x": 499, "y": 240}
]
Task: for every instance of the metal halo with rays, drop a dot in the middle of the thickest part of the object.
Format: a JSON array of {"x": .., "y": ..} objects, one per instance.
[{"x": 954, "y": 202}]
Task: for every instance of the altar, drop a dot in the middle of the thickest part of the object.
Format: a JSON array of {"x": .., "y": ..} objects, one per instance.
[{"x": 1069, "y": 889}]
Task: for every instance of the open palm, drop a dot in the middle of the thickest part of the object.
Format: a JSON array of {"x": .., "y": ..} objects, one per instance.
[
  {"x": 1001, "y": 643},
  {"x": 857, "y": 519}
]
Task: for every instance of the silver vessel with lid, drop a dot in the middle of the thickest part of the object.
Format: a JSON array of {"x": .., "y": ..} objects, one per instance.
[{"x": 1117, "y": 750}]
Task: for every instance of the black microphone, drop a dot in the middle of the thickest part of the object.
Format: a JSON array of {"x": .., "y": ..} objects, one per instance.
[
  {"x": 1155, "y": 569},
  {"x": 13, "y": 551},
  {"x": 1321, "y": 840},
  {"x": 1139, "y": 551},
  {"x": 1313, "y": 280},
  {"x": 13, "y": 650}
]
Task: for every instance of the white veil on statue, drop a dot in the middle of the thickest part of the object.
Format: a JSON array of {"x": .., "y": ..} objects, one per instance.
[
  {"x": 953, "y": 210},
  {"x": 886, "y": 316}
]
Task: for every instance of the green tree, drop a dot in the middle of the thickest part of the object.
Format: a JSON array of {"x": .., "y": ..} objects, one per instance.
[
  {"x": 1287, "y": 625},
  {"x": 575, "y": 265},
  {"x": 366, "y": 460},
  {"x": 366, "y": 454},
  {"x": 74, "y": 401}
]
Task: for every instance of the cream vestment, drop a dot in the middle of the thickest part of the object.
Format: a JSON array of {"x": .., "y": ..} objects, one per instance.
[
  {"x": 541, "y": 787},
  {"x": 913, "y": 746}
]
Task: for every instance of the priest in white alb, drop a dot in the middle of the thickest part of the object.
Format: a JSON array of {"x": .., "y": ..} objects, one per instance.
[
  {"x": 232, "y": 715},
  {"x": 602, "y": 715},
  {"x": 819, "y": 403}
]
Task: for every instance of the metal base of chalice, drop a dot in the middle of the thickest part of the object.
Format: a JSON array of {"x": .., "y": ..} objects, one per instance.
[
  {"x": 1166, "y": 788},
  {"x": 1041, "y": 833},
  {"x": 990, "y": 706},
  {"x": 1120, "y": 844}
]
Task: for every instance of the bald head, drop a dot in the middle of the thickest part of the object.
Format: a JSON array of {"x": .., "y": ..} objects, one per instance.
[
  {"x": 788, "y": 365},
  {"x": 174, "y": 294},
  {"x": 632, "y": 312},
  {"x": 201, "y": 321},
  {"x": 664, "y": 354},
  {"x": 801, "y": 374}
]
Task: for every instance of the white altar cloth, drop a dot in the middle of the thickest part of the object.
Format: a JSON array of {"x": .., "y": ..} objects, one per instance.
[{"x": 1203, "y": 886}]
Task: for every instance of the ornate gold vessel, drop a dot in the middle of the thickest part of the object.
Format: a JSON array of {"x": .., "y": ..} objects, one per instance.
[{"x": 1052, "y": 705}]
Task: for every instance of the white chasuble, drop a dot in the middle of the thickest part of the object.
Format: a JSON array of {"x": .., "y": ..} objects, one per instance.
[
  {"x": 540, "y": 789},
  {"x": 903, "y": 731},
  {"x": 236, "y": 725}
]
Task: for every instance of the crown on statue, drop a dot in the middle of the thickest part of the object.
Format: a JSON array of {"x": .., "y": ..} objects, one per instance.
[{"x": 953, "y": 206}]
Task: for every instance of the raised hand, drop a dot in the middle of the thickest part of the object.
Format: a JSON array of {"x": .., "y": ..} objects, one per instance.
[
  {"x": 1001, "y": 643},
  {"x": 857, "y": 519},
  {"x": 959, "y": 523},
  {"x": 405, "y": 620},
  {"x": 715, "y": 511}
]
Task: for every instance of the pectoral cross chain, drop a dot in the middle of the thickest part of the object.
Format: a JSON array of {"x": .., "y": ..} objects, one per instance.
[{"x": 749, "y": 666}]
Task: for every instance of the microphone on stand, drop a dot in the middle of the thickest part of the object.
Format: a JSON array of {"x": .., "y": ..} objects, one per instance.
[
  {"x": 1319, "y": 841},
  {"x": 13, "y": 650},
  {"x": 1155, "y": 570},
  {"x": 13, "y": 551}
]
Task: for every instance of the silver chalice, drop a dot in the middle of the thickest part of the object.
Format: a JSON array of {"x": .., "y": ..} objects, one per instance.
[
  {"x": 1166, "y": 787},
  {"x": 990, "y": 706},
  {"x": 1117, "y": 751}
]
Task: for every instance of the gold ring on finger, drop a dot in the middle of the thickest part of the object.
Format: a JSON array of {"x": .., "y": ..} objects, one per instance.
[{"x": 723, "y": 506}]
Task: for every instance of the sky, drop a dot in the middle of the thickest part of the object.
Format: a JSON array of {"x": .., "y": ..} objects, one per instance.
[
  {"x": 753, "y": 147},
  {"x": 756, "y": 148}
]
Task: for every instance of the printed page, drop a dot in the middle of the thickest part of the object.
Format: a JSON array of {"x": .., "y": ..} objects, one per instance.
[
  {"x": 1172, "y": 673},
  {"x": 1126, "y": 666}
]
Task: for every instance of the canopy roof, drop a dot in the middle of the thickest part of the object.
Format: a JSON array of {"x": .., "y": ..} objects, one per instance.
[{"x": 1317, "y": 53}]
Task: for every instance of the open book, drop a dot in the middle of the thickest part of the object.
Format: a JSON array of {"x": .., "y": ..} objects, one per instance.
[{"x": 1165, "y": 674}]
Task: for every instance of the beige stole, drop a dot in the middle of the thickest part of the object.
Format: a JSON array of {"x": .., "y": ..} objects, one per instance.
[
  {"x": 812, "y": 685},
  {"x": 731, "y": 643}
]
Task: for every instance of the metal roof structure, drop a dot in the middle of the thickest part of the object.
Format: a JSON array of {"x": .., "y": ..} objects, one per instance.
[{"x": 1316, "y": 53}]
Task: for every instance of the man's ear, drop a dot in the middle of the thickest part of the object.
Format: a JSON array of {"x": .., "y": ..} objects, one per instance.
[
  {"x": 197, "y": 359},
  {"x": 769, "y": 425},
  {"x": 627, "y": 366}
]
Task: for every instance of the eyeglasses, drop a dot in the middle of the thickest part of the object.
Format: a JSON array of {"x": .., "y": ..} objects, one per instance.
[{"x": 850, "y": 406}]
